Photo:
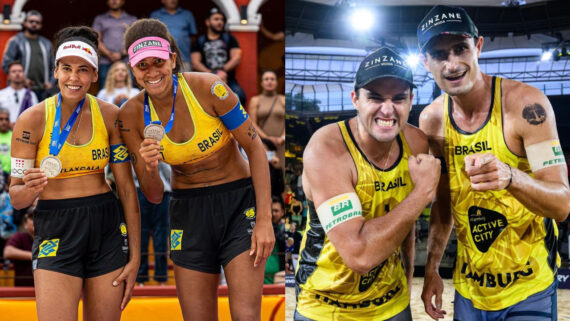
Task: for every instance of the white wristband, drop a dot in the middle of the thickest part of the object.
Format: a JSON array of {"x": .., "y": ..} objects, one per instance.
[
  {"x": 545, "y": 154},
  {"x": 20, "y": 165},
  {"x": 338, "y": 210}
]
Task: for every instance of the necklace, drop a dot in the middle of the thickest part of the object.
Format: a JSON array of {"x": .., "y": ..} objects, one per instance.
[
  {"x": 77, "y": 128},
  {"x": 368, "y": 159}
]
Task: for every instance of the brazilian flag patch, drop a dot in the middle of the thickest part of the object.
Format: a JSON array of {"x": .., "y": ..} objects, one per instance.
[
  {"x": 176, "y": 240},
  {"x": 49, "y": 248}
]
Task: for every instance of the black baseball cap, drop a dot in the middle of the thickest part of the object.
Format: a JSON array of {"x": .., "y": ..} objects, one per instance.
[
  {"x": 444, "y": 20},
  {"x": 382, "y": 63},
  {"x": 214, "y": 11}
]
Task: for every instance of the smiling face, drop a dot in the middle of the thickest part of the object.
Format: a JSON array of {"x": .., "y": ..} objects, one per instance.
[
  {"x": 155, "y": 74},
  {"x": 383, "y": 107},
  {"x": 74, "y": 76},
  {"x": 453, "y": 62}
]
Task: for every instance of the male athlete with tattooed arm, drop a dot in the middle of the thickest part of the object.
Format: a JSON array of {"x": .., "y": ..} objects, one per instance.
[{"x": 504, "y": 183}]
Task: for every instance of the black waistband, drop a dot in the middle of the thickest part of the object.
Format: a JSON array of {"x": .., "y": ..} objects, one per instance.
[
  {"x": 200, "y": 191},
  {"x": 76, "y": 202}
]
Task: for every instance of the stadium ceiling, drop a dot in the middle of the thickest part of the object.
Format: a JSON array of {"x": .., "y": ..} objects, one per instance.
[{"x": 323, "y": 19}]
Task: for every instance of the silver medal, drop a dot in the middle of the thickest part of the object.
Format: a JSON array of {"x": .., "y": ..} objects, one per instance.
[
  {"x": 51, "y": 166},
  {"x": 154, "y": 131}
]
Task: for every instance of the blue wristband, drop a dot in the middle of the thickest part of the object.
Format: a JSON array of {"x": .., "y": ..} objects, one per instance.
[
  {"x": 235, "y": 117},
  {"x": 119, "y": 154}
]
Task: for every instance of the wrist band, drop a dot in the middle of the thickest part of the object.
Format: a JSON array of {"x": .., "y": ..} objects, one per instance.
[{"x": 511, "y": 178}]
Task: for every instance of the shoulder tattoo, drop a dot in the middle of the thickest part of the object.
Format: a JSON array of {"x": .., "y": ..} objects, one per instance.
[{"x": 534, "y": 114}]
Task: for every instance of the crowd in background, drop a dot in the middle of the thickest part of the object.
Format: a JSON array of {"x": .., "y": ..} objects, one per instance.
[{"x": 27, "y": 62}]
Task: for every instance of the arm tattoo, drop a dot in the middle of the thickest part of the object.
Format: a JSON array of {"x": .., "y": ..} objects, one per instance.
[
  {"x": 534, "y": 114},
  {"x": 251, "y": 132},
  {"x": 26, "y": 136},
  {"x": 133, "y": 158}
]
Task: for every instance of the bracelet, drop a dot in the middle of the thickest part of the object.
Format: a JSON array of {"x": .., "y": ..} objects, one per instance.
[{"x": 511, "y": 178}]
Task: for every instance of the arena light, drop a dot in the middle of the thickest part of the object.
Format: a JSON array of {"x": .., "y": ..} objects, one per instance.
[
  {"x": 362, "y": 19},
  {"x": 413, "y": 60},
  {"x": 546, "y": 56},
  {"x": 6, "y": 13},
  {"x": 243, "y": 15}
]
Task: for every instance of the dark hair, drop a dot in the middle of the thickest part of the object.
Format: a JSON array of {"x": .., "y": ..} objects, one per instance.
[
  {"x": 277, "y": 199},
  {"x": 152, "y": 28},
  {"x": 15, "y": 62},
  {"x": 263, "y": 72},
  {"x": 269, "y": 144}
]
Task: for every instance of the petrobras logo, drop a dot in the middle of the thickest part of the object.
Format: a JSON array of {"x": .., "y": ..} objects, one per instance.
[
  {"x": 147, "y": 43},
  {"x": 441, "y": 18}
]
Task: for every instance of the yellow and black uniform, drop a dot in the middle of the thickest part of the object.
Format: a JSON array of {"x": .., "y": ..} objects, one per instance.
[
  {"x": 505, "y": 253},
  {"x": 326, "y": 288},
  {"x": 210, "y": 134},
  {"x": 87, "y": 236},
  {"x": 228, "y": 210},
  {"x": 77, "y": 160}
]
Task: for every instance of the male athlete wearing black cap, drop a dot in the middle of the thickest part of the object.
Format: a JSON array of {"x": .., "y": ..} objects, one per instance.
[
  {"x": 504, "y": 181},
  {"x": 367, "y": 179}
]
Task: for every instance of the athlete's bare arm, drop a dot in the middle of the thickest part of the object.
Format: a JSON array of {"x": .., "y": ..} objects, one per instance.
[
  {"x": 441, "y": 221},
  {"x": 329, "y": 171},
  {"x": 27, "y": 133},
  {"x": 128, "y": 196},
  {"x": 129, "y": 123},
  {"x": 529, "y": 120}
]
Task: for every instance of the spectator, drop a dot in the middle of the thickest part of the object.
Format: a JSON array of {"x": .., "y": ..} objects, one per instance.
[
  {"x": 34, "y": 52},
  {"x": 118, "y": 86},
  {"x": 275, "y": 263},
  {"x": 218, "y": 52},
  {"x": 5, "y": 142},
  {"x": 181, "y": 25},
  {"x": 267, "y": 112},
  {"x": 275, "y": 170},
  {"x": 16, "y": 97},
  {"x": 289, "y": 246},
  {"x": 19, "y": 251},
  {"x": 154, "y": 220},
  {"x": 111, "y": 27},
  {"x": 297, "y": 237}
]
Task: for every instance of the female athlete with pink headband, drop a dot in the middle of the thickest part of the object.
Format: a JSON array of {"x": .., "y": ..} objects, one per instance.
[
  {"x": 220, "y": 211},
  {"x": 84, "y": 244}
]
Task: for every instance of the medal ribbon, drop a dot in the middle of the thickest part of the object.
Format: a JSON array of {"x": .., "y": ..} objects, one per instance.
[
  {"x": 147, "y": 116},
  {"x": 58, "y": 137}
]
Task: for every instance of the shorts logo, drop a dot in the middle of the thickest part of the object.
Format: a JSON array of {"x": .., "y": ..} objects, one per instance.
[
  {"x": 123, "y": 229},
  {"x": 219, "y": 90},
  {"x": 49, "y": 248},
  {"x": 176, "y": 240},
  {"x": 556, "y": 149},
  {"x": 250, "y": 212}
]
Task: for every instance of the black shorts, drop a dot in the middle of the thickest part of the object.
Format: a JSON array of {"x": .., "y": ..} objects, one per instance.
[
  {"x": 84, "y": 237},
  {"x": 210, "y": 226}
]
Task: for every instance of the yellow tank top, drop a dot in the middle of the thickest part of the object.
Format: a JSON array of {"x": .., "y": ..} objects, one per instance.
[
  {"x": 505, "y": 253},
  {"x": 77, "y": 160},
  {"x": 326, "y": 288},
  {"x": 210, "y": 134}
]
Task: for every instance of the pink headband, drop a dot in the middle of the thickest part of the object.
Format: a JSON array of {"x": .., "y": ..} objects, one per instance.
[{"x": 148, "y": 47}]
